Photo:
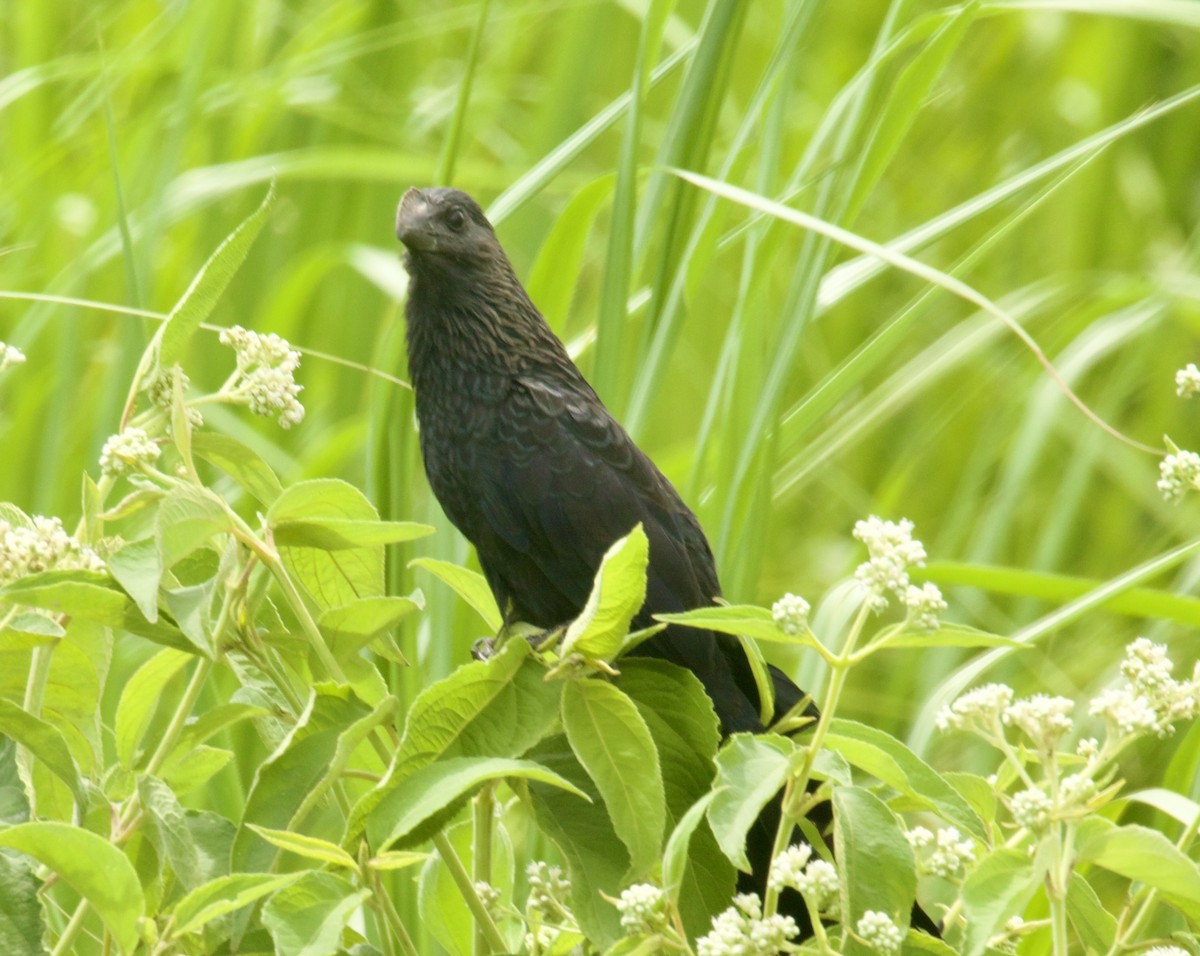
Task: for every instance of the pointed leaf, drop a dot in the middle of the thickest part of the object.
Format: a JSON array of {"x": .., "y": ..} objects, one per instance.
[
  {"x": 751, "y": 769},
  {"x": 618, "y": 593},
  {"x": 469, "y": 585}
]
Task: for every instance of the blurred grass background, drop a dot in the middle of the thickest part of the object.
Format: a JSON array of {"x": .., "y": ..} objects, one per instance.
[{"x": 1044, "y": 152}]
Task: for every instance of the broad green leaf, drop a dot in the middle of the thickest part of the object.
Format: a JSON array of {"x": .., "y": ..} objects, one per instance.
[
  {"x": 471, "y": 586},
  {"x": 166, "y": 823},
  {"x": 1097, "y": 928},
  {"x": 206, "y": 288},
  {"x": 618, "y": 593},
  {"x": 412, "y": 812},
  {"x": 45, "y": 742},
  {"x": 353, "y": 626},
  {"x": 139, "y": 701},
  {"x": 675, "y": 856},
  {"x": 1173, "y": 804},
  {"x": 738, "y": 619},
  {"x": 21, "y": 922},
  {"x": 882, "y": 755},
  {"x": 878, "y": 870},
  {"x": 500, "y": 707},
  {"x": 224, "y": 895},
  {"x": 287, "y": 778},
  {"x": 686, "y": 733},
  {"x": 342, "y": 534},
  {"x": 1139, "y": 853},
  {"x": 614, "y": 745},
  {"x": 187, "y": 519},
  {"x": 136, "y": 566},
  {"x": 947, "y": 635},
  {"x": 191, "y": 609},
  {"x": 751, "y": 770},
  {"x": 185, "y": 772},
  {"x": 597, "y": 858},
  {"x": 311, "y": 848},
  {"x": 995, "y": 891},
  {"x": 77, "y": 593},
  {"x": 93, "y": 867},
  {"x": 240, "y": 462},
  {"x": 340, "y": 577}
]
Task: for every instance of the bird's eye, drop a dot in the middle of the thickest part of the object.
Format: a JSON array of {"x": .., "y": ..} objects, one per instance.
[{"x": 456, "y": 219}]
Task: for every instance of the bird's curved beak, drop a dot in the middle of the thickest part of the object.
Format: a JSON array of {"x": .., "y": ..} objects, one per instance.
[{"x": 413, "y": 219}]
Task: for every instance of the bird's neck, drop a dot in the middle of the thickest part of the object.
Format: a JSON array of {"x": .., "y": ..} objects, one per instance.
[{"x": 458, "y": 324}]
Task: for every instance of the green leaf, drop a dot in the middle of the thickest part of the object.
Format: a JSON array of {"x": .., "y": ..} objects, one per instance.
[
  {"x": 341, "y": 577},
  {"x": 994, "y": 891},
  {"x": 467, "y": 584},
  {"x": 185, "y": 772},
  {"x": 223, "y": 896},
  {"x": 584, "y": 833},
  {"x": 240, "y": 462},
  {"x": 618, "y": 593},
  {"x": 94, "y": 868},
  {"x": 1097, "y": 928},
  {"x": 353, "y": 626},
  {"x": 887, "y": 758},
  {"x": 206, "y": 288},
  {"x": 341, "y": 534},
  {"x": 76, "y": 593},
  {"x": 877, "y": 866},
  {"x": 187, "y": 519},
  {"x": 947, "y": 635},
  {"x": 413, "y": 812},
  {"x": 1139, "y": 853},
  {"x": 306, "y": 846},
  {"x": 614, "y": 745},
  {"x": 137, "y": 568},
  {"x": 139, "y": 701},
  {"x": 396, "y": 860},
  {"x": 1173, "y": 804},
  {"x": 675, "y": 856},
  {"x": 21, "y": 923},
  {"x": 45, "y": 742},
  {"x": 739, "y": 619},
  {"x": 751, "y": 769},
  {"x": 168, "y": 830},
  {"x": 286, "y": 779}
]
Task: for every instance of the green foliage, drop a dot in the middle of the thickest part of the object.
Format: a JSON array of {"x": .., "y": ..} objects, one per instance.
[{"x": 209, "y": 731}]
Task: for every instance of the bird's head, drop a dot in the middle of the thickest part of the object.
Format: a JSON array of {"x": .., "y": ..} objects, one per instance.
[{"x": 441, "y": 223}]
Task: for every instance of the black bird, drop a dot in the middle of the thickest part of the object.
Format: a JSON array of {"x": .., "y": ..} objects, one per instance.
[{"x": 530, "y": 466}]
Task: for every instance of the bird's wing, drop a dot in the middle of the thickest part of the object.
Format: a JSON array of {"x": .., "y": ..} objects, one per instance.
[{"x": 559, "y": 482}]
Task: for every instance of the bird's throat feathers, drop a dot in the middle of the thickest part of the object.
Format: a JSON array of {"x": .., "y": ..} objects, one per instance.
[{"x": 471, "y": 315}]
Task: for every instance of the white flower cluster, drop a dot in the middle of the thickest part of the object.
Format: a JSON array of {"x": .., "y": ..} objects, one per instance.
[
  {"x": 982, "y": 707},
  {"x": 1031, "y": 808},
  {"x": 880, "y": 932},
  {"x": 819, "y": 884},
  {"x": 1179, "y": 473},
  {"x": 160, "y": 388},
  {"x": 892, "y": 551},
  {"x": 1042, "y": 718},
  {"x": 1187, "y": 381},
  {"x": 786, "y": 869},
  {"x": 790, "y": 612},
  {"x": 1151, "y": 701},
  {"x": 43, "y": 545},
  {"x": 949, "y": 852},
  {"x": 10, "y": 355},
  {"x": 488, "y": 895},
  {"x": 741, "y": 930},
  {"x": 925, "y": 605},
  {"x": 1166, "y": 951},
  {"x": 128, "y": 451},
  {"x": 266, "y": 368},
  {"x": 548, "y": 888},
  {"x": 641, "y": 909}
]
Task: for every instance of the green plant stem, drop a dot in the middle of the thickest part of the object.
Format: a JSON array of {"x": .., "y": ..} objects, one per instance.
[
  {"x": 175, "y": 728},
  {"x": 1056, "y": 891},
  {"x": 391, "y": 917},
  {"x": 482, "y": 864},
  {"x": 71, "y": 930},
  {"x": 462, "y": 878}
]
